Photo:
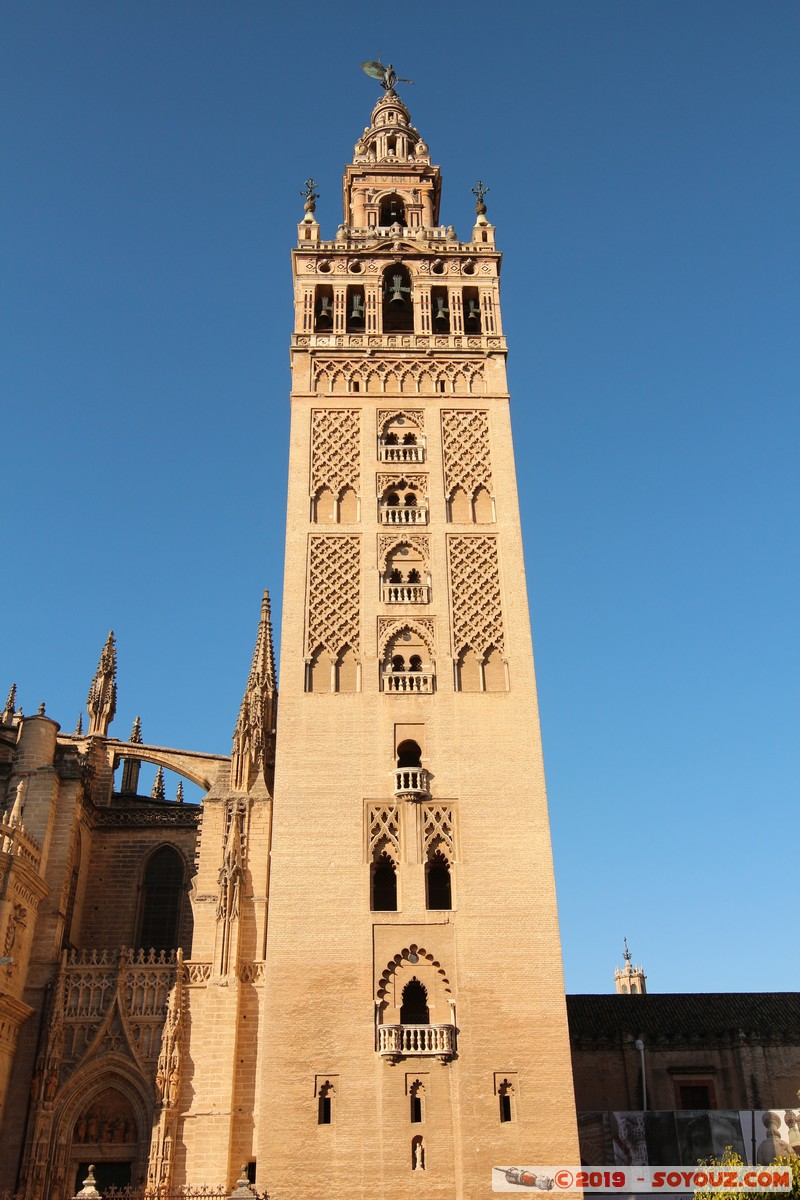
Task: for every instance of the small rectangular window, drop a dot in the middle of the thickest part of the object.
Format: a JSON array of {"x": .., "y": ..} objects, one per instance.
[
  {"x": 324, "y": 1110},
  {"x": 505, "y": 1107},
  {"x": 251, "y": 1171},
  {"x": 416, "y": 1110}
]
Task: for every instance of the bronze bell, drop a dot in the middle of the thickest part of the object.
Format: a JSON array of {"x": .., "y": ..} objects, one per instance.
[
  {"x": 325, "y": 310},
  {"x": 442, "y": 311},
  {"x": 473, "y": 313},
  {"x": 397, "y": 289},
  {"x": 357, "y": 311}
]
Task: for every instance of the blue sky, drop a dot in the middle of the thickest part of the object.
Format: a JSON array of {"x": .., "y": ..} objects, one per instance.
[{"x": 645, "y": 185}]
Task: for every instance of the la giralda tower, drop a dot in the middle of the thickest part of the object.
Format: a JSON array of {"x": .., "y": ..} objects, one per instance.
[{"x": 415, "y": 1031}]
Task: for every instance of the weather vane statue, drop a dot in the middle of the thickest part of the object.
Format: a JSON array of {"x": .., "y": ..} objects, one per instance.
[{"x": 387, "y": 75}]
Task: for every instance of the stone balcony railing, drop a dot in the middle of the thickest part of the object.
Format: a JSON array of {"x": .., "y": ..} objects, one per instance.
[
  {"x": 417, "y": 1041},
  {"x": 14, "y": 840},
  {"x": 401, "y": 454},
  {"x": 402, "y": 515},
  {"x": 406, "y": 593},
  {"x": 411, "y": 781},
  {"x": 408, "y": 683}
]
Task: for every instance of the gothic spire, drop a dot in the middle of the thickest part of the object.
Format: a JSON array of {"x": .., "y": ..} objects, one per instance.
[
  {"x": 101, "y": 702},
  {"x": 136, "y": 732},
  {"x": 158, "y": 792},
  {"x": 253, "y": 737},
  {"x": 79, "y": 725}
]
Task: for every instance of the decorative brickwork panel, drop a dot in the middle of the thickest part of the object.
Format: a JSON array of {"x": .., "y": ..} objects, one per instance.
[
  {"x": 438, "y": 830},
  {"x": 476, "y": 609},
  {"x": 335, "y": 449},
  {"x": 398, "y": 375},
  {"x": 383, "y": 833},
  {"x": 333, "y": 618},
  {"x": 466, "y": 451}
]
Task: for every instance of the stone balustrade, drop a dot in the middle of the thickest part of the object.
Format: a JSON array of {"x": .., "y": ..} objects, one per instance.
[
  {"x": 402, "y": 1041},
  {"x": 14, "y": 840},
  {"x": 408, "y": 682},
  {"x": 411, "y": 781},
  {"x": 406, "y": 593},
  {"x": 403, "y": 515},
  {"x": 401, "y": 454}
]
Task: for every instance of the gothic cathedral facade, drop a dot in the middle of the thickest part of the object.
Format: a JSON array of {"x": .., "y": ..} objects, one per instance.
[{"x": 343, "y": 968}]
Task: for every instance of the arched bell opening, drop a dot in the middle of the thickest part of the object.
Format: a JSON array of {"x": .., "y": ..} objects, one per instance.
[
  {"x": 392, "y": 210},
  {"x": 355, "y": 309},
  {"x": 323, "y": 308},
  {"x": 398, "y": 308},
  {"x": 472, "y": 310},
  {"x": 440, "y": 310}
]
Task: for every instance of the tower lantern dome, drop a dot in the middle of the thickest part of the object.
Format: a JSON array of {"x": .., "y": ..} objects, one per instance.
[{"x": 391, "y": 159}]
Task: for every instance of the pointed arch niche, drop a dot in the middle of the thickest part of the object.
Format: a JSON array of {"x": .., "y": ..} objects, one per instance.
[
  {"x": 414, "y": 1007},
  {"x": 405, "y": 570},
  {"x": 406, "y": 654}
]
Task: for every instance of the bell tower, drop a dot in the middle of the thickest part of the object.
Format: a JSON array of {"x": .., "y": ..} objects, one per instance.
[{"x": 415, "y": 1031}]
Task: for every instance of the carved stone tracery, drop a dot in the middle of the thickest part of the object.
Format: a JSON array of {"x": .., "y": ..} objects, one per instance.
[
  {"x": 384, "y": 830},
  {"x": 477, "y": 613},
  {"x": 333, "y": 613},
  {"x": 416, "y": 377},
  {"x": 335, "y": 450},
  {"x": 466, "y": 451}
]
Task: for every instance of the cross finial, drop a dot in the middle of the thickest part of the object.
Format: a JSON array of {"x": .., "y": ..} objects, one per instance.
[
  {"x": 479, "y": 191},
  {"x": 311, "y": 195}
]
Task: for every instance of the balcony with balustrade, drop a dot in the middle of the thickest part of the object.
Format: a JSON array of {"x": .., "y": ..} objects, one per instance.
[
  {"x": 402, "y": 514},
  {"x": 408, "y": 683},
  {"x": 417, "y": 1041},
  {"x": 406, "y": 593},
  {"x": 401, "y": 452},
  {"x": 411, "y": 783}
]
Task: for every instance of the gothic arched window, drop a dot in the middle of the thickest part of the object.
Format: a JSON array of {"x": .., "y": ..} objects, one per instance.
[
  {"x": 384, "y": 884},
  {"x": 437, "y": 882},
  {"x": 161, "y": 901}
]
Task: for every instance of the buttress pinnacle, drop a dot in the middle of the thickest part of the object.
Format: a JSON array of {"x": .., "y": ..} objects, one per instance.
[
  {"x": 101, "y": 702},
  {"x": 254, "y": 735}
]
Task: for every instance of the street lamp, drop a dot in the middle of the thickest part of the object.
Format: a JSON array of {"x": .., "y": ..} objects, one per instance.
[{"x": 639, "y": 1044}]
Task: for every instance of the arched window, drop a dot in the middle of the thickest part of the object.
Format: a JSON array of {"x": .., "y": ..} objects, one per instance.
[
  {"x": 318, "y": 672},
  {"x": 392, "y": 210},
  {"x": 326, "y": 1095},
  {"x": 417, "y": 1097},
  {"x": 437, "y": 882},
  {"x": 414, "y": 1009},
  {"x": 505, "y": 1094},
  {"x": 398, "y": 309},
  {"x": 409, "y": 755},
  {"x": 347, "y": 671},
  {"x": 384, "y": 884},
  {"x": 162, "y": 901},
  {"x": 398, "y": 663}
]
